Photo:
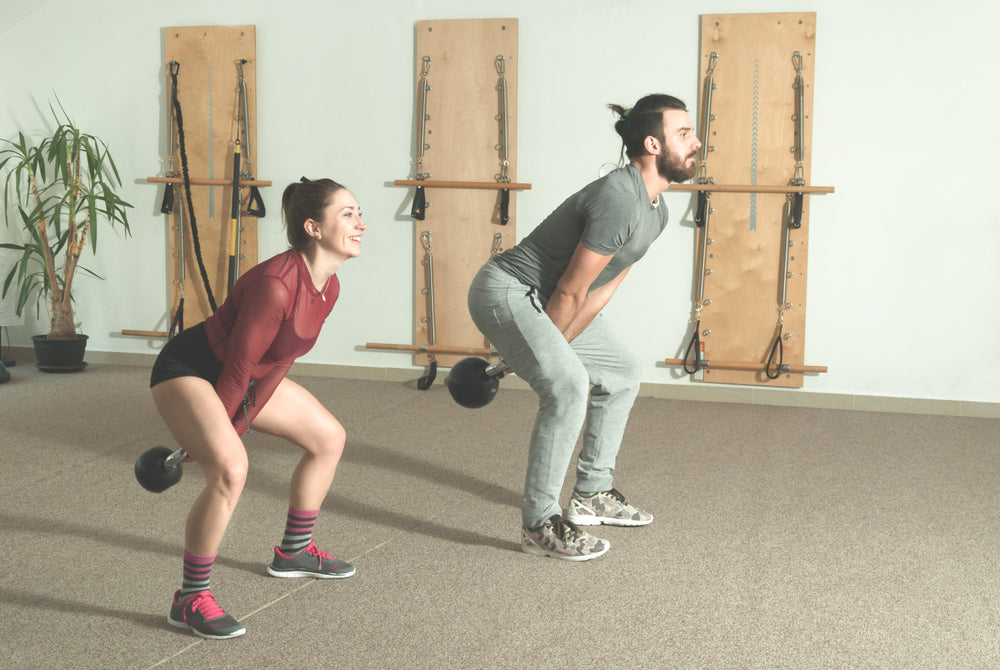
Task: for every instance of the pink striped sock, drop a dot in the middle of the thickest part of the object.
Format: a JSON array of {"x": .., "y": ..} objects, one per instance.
[
  {"x": 197, "y": 571},
  {"x": 298, "y": 530}
]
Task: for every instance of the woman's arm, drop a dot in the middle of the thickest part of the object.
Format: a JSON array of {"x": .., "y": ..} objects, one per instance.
[{"x": 259, "y": 319}]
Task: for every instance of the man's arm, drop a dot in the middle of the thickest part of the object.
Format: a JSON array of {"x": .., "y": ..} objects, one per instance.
[{"x": 571, "y": 307}]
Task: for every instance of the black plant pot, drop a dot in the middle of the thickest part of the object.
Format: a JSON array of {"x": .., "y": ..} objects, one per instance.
[{"x": 59, "y": 355}]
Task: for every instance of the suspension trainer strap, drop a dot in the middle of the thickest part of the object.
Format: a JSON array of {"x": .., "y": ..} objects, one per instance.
[
  {"x": 174, "y": 67},
  {"x": 234, "y": 222}
]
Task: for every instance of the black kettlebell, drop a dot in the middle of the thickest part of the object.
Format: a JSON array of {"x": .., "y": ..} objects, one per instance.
[
  {"x": 473, "y": 382},
  {"x": 159, "y": 468}
]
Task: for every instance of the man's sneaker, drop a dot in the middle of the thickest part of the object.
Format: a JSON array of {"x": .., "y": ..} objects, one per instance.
[
  {"x": 607, "y": 507},
  {"x": 559, "y": 538},
  {"x": 203, "y": 616},
  {"x": 311, "y": 562}
]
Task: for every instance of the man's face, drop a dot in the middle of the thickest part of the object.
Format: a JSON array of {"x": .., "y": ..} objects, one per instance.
[{"x": 679, "y": 159}]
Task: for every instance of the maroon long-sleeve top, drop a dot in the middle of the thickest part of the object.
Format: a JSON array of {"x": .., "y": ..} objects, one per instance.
[{"x": 272, "y": 316}]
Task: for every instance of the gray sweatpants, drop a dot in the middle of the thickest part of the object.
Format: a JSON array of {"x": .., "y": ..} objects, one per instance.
[{"x": 594, "y": 377}]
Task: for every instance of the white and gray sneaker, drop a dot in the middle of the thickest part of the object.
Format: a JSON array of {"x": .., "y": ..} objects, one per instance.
[
  {"x": 607, "y": 507},
  {"x": 559, "y": 538}
]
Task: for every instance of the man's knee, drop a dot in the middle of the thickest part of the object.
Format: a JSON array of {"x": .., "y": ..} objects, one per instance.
[{"x": 565, "y": 385}]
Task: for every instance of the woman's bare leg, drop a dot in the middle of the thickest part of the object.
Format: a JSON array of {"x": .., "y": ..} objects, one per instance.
[
  {"x": 295, "y": 415},
  {"x": 195, "y": 416}
]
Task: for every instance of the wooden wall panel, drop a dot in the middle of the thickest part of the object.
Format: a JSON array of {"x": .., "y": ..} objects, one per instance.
[
  {"x": 753, "y": 134},
  {"x": 208, "y": 94},
  {"x": 463, "y": 133}
]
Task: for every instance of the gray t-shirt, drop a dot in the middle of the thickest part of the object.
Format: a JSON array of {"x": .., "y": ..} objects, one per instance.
[{"x": 612, "y": 215}]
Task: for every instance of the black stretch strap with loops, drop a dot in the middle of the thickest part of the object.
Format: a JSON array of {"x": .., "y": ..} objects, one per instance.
[
  {"x": 174, "y": 67},
  {"x": 777, "y": 348},
  {"x": 177, "y": 325},
  {"x": 694, "y": 344}
]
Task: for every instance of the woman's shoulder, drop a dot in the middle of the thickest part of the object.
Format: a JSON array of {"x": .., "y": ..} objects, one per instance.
[{"x": 277, "y": 276}]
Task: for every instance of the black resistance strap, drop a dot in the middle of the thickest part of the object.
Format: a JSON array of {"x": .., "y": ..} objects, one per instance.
[{"x": 174, "y": 67}]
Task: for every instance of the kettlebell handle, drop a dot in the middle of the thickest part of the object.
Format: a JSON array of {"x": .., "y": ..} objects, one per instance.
[{"x": 497, "y": 369}]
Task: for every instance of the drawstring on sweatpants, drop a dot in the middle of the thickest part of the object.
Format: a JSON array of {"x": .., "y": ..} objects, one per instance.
[
  {"x": 532, "y": 292},
  {"x": 249, "y": 400}
]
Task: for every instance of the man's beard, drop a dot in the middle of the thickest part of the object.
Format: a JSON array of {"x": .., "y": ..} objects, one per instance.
[{"x": 671, "y": 167}]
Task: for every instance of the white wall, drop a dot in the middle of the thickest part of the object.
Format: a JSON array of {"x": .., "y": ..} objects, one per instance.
[{"x": 903, "y": 277}]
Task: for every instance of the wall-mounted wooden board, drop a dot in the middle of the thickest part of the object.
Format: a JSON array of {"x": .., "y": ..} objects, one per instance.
[
  {"x": 463, "y": 133},
  {"x": 208, "y": 94},
  {"x": 753, "y": 135}
]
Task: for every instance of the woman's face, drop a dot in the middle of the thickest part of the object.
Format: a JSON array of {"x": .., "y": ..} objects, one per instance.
[{"x": 340, "y": 230}]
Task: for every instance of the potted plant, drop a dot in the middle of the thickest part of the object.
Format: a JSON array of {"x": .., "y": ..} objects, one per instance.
[{"x": 60, "y": 190}]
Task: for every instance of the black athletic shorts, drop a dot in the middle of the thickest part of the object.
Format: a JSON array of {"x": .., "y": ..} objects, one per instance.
[{"x": 187, "y": 354}]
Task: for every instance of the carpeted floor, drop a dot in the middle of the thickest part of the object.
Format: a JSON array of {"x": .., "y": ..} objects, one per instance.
[{"x": 784, "y": 538}]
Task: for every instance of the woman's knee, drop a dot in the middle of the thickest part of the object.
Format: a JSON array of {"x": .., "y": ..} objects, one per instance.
[
  {"x": 327, "y": 439},
  {"x": 228, "y": 474}
]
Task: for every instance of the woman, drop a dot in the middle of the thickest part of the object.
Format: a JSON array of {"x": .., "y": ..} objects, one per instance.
[{"x": 219, "y": 379}]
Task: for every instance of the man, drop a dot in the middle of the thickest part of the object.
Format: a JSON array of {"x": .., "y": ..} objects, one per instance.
[{"x": 539, "y": 304}]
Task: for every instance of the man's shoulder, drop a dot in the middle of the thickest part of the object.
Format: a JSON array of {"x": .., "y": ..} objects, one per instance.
[
  {"x": 617, "y": 183},
  {"x": 616, "y": 190}
]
